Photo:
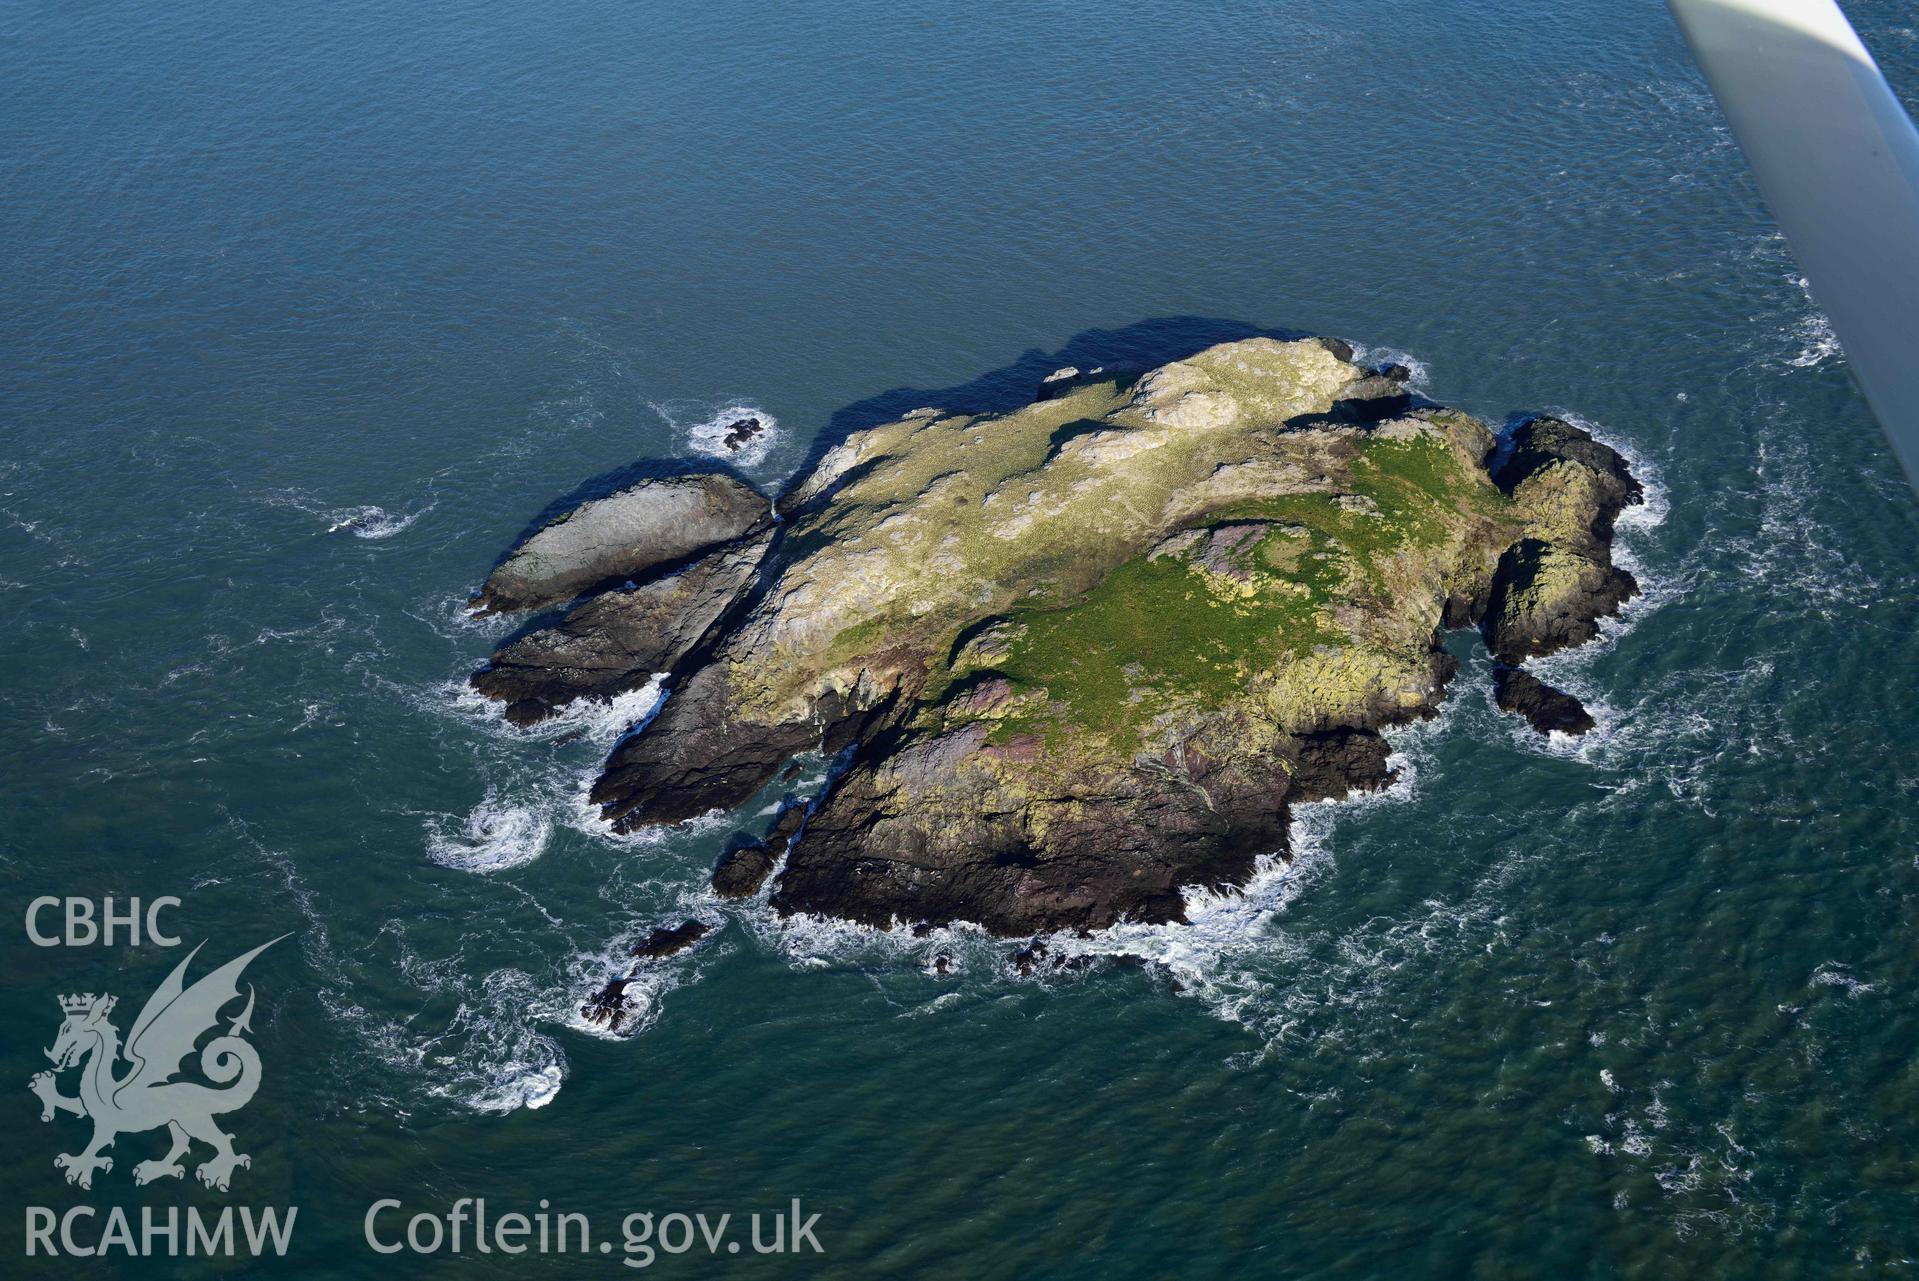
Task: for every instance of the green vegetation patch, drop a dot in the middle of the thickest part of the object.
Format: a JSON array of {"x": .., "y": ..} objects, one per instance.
[{"x": 1161, "y": 634}]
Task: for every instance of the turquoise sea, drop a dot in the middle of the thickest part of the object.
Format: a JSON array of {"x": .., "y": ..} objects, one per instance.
[{"x": 307, "y": 311}]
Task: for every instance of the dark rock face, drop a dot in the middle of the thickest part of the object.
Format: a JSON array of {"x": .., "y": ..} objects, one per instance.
[
  {"x": 1549, "y": 710},
  {"x": 741, "y": 430},
  {"x": 746, "y": 865},
  {"x": 607, "y": 1007},
  {"x": 1335, "y": 763},
  {"x": 622, "y": 536},
  {"x": 1540, "y": 441},
  {"x": 1094, "y": 853},
  {"x": 666, "y": 941},
  {"x": 702, "y": 757},
  {"x": 741, "y": 871},
  {"x": 619, "y": 640}
]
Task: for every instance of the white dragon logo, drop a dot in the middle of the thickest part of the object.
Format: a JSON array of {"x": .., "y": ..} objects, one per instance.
[{"x": 146, "y": 1097}]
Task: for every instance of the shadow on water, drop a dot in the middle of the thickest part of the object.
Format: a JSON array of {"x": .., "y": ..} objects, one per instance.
[{"x": 1137, "y": 346}]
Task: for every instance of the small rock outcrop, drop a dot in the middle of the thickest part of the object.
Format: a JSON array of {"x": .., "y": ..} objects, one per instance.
[
  {"x": 610, "y": 1005},
  {"x": 618, "y": 640},
  {"x": 621, "y": 537},
  {"x": 747, "y": 862},
  {"x": 607, "y": 1007},
  {"x": 1573, "y": 485},
  {"x": 667, "y": 940},
  {"x": 1552, "y": 587},
  {"x": 738, "y": 432},
  {"x": 1548, "y": 710},
  {"x": 1546, "y": 598},
  {"x": 1076, "y": 659}
]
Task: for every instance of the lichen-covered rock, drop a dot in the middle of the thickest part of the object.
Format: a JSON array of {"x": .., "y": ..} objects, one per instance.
[
  {"x": 619, "y": 640},
  {"x": 622, "y": 536},
  {"x": 1571, "y": 487},
  {"x": 1546, "y": 599},
  {"x": 1553, "y": 586},
  {"x": 1087, "y": 654}
]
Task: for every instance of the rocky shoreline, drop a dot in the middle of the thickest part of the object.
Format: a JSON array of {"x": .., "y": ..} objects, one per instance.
[{"x": 1074, "y": 658}]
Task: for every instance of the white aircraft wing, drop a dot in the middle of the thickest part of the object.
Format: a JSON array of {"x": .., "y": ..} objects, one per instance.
[{"x": 1837, "y": 159}]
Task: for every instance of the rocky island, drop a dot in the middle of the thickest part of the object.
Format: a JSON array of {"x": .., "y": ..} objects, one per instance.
[{"x": 1075, "y": 657}]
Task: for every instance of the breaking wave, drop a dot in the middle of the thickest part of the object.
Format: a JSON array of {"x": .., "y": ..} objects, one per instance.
[
  {"x": 707, "y": 428},
  {"x": 1813, "y": 332},
  {"x": 1368, "y": 356},
  {"x": 494, "y": 837},
  {"x": 367, "y": 521},
  {"x": 373, "y": 522}
]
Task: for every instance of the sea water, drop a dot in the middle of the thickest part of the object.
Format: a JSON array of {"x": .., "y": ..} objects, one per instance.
[{"x": 310, "y": 311}]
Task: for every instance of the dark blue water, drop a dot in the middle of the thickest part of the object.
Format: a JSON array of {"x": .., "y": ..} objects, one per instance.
[{"x": 308, "y": 311}]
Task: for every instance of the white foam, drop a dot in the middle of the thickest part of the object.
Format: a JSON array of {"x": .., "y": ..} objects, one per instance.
[
  {"x": 1813, "y": 332},
  {"x": 531, "y": 1090},
  {"x": 602, "y": 721},
  {"x": 495, "y": 836},
  {"x": 605, "y": 720},
  {"x": 1834, "y": 975},
  {"x": 490, "y": 1055},
  {"x": 1370, "y": 357},
  {"x": 373, "y": 522},
  {"x": 703, "y": 425},
  {"x": 512, "y": 825},
  {"x": 366, "y": 521}
]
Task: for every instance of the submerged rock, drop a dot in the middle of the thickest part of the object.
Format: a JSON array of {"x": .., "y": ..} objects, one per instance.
[
  {"x": 739, "y": 431},
  {"x": 607, "y": 1007},
  {"x": 1549, "y": 710},
  {"x": 666, "y": 941},
  {"x": 1087, "y": 654},
  {"x": 620, "y": 537}
]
